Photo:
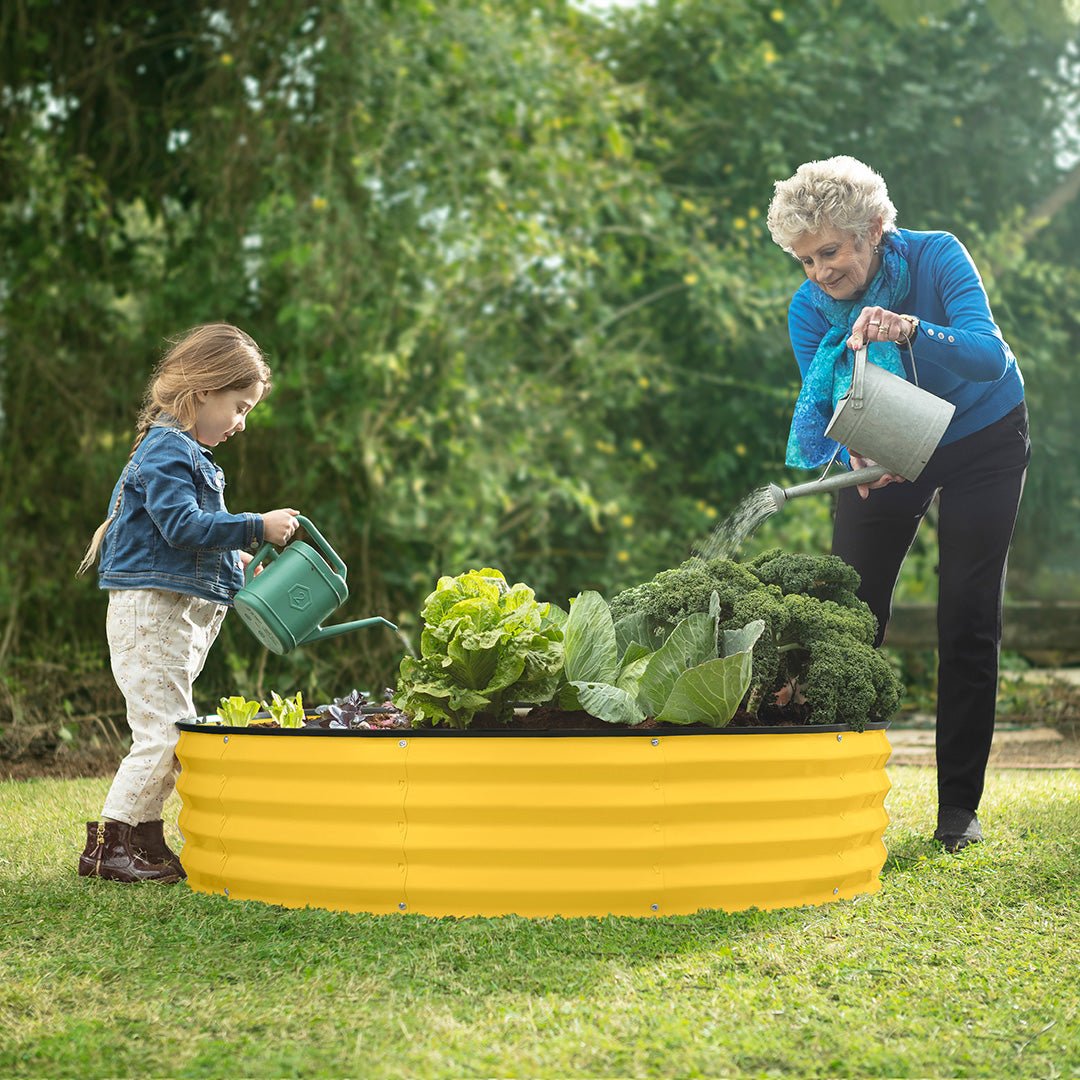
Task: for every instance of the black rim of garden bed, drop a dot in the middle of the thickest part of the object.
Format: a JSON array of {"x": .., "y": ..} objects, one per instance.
[{"x": 468, "y": 733}]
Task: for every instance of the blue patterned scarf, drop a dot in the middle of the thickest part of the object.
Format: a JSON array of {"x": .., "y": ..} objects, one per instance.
[{"x": 828, "y": 377}]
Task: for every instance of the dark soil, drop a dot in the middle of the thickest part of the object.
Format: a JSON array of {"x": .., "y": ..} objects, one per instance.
[{"x": 548, "y": 718}]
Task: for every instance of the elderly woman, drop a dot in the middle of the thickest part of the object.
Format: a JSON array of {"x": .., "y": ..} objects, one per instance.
[{"x": 917, "y": 301}]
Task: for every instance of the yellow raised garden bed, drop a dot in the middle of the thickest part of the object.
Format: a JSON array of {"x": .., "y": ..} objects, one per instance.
[{"x": 461, "y": 823}]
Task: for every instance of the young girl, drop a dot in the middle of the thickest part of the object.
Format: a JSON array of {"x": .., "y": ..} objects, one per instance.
[{"x": 172, "y": 558}]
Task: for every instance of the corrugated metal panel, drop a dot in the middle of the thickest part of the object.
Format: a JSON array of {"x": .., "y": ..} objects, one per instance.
[{"x": 628, "y": 825}]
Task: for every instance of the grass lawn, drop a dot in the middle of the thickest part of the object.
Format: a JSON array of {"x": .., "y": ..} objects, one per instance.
[{"x": 962, "y": 965}]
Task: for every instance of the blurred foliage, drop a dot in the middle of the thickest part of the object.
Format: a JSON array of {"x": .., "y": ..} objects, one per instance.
[{"x": 509, "y": 263}]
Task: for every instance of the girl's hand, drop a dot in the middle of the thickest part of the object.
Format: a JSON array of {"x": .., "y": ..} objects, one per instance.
[
  {"x": 279, "y": 525},
  {"x": 878, "y": 324},
  {"x": 858, "y": 462},
  {"x": 245, "y": 558}
]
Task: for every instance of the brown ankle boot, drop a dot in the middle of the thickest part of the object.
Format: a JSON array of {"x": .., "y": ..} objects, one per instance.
[
  {"x": 148, "y": 838},
  {"x": 110, "y": 854}
]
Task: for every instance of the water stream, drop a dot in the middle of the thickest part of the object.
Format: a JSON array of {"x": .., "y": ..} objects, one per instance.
[
  {"x": 406, "y": 641},
  {"x": 729, "y": 534}
]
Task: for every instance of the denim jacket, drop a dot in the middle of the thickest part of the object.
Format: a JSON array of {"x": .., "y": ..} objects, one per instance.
[{"x": 170, "y": 529}]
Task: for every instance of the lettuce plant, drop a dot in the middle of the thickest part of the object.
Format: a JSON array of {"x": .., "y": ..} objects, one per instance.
[
  {"x": 484, "y": 645},
  {"x": 237, "y": 711},
  {"x": 698, "y": 675},
  {"x": 288, "y": 712}
]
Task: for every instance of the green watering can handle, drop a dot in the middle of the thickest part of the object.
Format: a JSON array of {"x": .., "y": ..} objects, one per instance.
[
  {"x": 267, "y": 553},
  {"x": 320, "y": 542}
]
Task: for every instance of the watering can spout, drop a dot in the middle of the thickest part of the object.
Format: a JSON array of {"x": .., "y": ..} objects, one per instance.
[
  {"x": 320, "y": 633},
  {"x": 833, "y": 483},
  {"x": 778, "y": 496}
]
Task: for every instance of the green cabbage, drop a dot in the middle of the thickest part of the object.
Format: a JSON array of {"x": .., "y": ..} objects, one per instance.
[{"x": 696, "y": 676}]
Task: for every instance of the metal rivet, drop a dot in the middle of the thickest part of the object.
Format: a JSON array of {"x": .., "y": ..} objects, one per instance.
[
  {"x": 836, "y": 892},
  {"x": 226, "y": 892},
  {"x": 655, "y": 907},
  {"x": 403, "y": 742},
  {"x": 839, "y": 738},
  {"x": 951, "y": 338},
  {"x": 941, "y": 335},
  {"x": 226, "y": 738},
  {"x": 401, "y": 906},
  {"x": 655, "y": 742}
]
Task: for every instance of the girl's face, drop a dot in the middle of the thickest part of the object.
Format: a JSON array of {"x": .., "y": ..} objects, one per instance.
[
  {"x": 839, "y": 262},
  {"x": 221, "y": 413}
]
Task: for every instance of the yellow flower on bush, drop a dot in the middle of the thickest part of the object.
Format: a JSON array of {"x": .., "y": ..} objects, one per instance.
[
  {"x": 643, "y": 382},
  {"x": 768, "y": 56},
  {"x": 622, "y": 556},
  {"x": 319, "y": 204},
  {"x": 776, "y": 15},
  {"x": 626, "y": 521},
  {"x": 604, "y": 447},
  {"x": 226, "y": 59},
  {"x": 739, "y": 223},
  {"x": 637, "y": 445},
  {"x": 690, "y": 279}
]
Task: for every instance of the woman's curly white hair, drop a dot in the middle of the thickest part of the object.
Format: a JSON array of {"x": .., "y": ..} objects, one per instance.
[{"x": 837, "y": 193}]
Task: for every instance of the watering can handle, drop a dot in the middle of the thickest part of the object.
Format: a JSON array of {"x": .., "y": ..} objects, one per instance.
[
  {"x": 328, "y": 552},
  {"x": 858, "y": 374},
  {"x": 267, "y": 553}
]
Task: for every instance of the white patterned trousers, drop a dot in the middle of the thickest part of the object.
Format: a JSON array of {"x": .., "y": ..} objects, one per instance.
[{"x": 158, "y": 643}]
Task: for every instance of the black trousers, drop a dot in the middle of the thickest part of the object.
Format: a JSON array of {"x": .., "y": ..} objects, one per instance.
[{"x": 979, "y": 480}]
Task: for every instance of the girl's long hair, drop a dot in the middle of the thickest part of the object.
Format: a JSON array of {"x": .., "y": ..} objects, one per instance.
[{"x": 213, "y": 357}]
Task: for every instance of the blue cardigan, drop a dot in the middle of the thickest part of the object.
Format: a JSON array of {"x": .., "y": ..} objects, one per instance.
[{"x": 960, "y": 354}]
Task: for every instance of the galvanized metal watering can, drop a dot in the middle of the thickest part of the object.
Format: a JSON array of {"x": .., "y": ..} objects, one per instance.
[
  {"x": 884, "y": 418},
  {"x": 285, "y": 605}
]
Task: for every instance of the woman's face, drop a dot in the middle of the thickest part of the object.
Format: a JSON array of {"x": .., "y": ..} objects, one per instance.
[{"x": 839, "y": 262}]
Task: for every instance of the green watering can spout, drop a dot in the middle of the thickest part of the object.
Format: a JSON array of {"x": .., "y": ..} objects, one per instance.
[
  {"x": 284, "y": 606},
  {"x": 322, "y": 632}
]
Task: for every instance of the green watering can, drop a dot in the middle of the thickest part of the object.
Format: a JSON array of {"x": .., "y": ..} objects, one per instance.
[{"x": 285, "y": 604}]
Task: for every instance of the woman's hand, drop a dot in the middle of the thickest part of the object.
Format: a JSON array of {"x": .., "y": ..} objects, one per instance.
[
  {"x": 858, "y": 462},
  {"x": 279, "y": 525},
  {"x": 878, "y": 324}
]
